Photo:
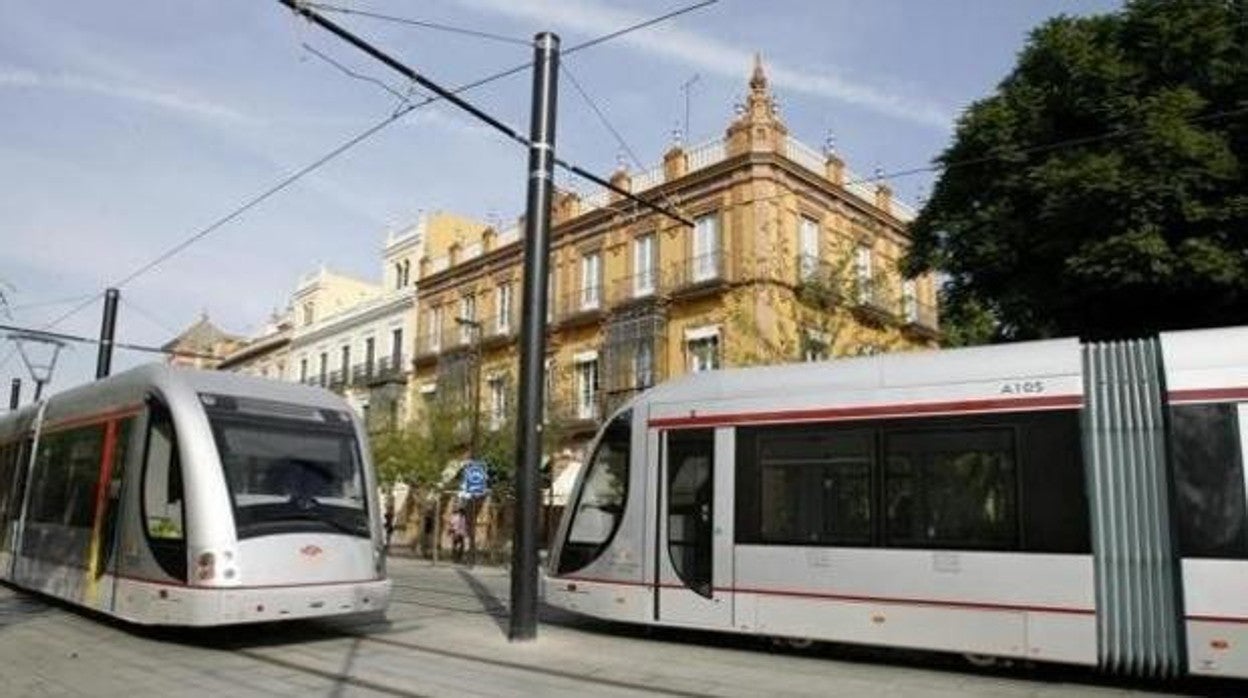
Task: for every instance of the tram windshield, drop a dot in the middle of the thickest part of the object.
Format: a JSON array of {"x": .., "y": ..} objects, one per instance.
[
  {"x": 289, "y": 474},
  {"x": 600, "y": 504}
]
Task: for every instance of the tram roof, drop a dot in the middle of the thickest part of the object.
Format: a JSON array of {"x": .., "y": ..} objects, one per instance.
[
  {"x": 1053, "y": 357},
  {"x": 133, "y": 385}
]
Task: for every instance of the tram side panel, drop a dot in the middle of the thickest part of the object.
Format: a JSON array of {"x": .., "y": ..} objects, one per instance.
[
  {"x": 965, "y": 534},
  {"x": 605, "y": 559},
  {"x": 14, "y": 442},
  {"x": 151, "y": 553},
  {"x": 62, "y": 548},
  {"x": 1207, "y": 381}
]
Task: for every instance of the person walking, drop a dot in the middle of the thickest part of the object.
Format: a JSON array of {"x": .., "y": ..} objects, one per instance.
[{"x": 459, "y": 534}]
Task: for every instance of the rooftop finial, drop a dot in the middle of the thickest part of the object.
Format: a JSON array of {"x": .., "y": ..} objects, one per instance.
[
  {"x": 829, "y": 144},
  {"x": 759, "y": 80}
]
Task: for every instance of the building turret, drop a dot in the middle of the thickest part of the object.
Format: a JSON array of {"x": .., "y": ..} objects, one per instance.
[{"x": 758, "y": 128}]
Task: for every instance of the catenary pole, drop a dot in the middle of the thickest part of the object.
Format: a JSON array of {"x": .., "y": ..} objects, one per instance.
[
  {"x": 523, "y": 624},
  {"x": 15, "y": 394},
  {"x": 108, "y": 326}
]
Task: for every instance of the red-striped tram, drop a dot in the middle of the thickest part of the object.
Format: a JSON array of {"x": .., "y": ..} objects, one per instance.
[
  {"x": 177, "y": 497},
  {"x": 1055, "y": 501}
]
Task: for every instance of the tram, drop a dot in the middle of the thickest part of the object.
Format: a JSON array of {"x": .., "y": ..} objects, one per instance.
[
  {"x": 167, "y": 496},
  {"x": 1049, "y": 501}
]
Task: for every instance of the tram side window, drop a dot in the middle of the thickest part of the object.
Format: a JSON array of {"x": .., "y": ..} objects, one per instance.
[
  {"x": 9, "y": 465},
  {"x": 1209, "y": 481},
  {"x": 113, "y": 493},
  {"x": 690, "y": 502},
  {"x": 600, "y": 504},
  {"x": 952, "y": 489},
  {"x": 8, "y": 476},
  {"x": 813, "y": 484},
  {"x": 162, "y": 481},
  {"x": 67, "y": 469}
]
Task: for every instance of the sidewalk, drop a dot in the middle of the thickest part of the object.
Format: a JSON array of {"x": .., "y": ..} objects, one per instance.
[
  {"x": 446, "y": 635},
  {"x": 457, "y": 616}
]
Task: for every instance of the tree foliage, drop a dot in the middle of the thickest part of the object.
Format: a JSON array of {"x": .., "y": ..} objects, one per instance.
[
  {"x": 418, "y": 453},
  {"x": 1100, "y": 191}
]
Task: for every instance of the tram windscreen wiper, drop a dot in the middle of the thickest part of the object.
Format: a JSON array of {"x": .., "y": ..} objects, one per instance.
[
  {"x": 285, "y": 473},
  {"x": 358, "y": 529}
]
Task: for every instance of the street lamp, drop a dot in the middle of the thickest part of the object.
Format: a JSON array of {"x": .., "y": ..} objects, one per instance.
[{"x": 475, "y": 327}]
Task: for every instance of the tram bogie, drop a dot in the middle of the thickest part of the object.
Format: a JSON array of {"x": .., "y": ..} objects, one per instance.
[{"x": 1050, "y": 501}]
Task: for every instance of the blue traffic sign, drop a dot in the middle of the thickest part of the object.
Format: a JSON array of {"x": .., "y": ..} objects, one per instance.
[{"x": 475, "y": 479}]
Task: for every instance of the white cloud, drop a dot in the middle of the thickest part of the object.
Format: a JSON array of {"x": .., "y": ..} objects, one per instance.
[
  {"x": 713, "y": 56},
  {"x": 169, "y": 100}
]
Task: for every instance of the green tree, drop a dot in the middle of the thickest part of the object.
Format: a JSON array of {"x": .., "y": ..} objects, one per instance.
[
  {"x": 1100, "y": 190},
  {"x": 418, "y": 453}
]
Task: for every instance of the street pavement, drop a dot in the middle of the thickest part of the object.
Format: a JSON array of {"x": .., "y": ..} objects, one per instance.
[{"x": 445, "y": 635}]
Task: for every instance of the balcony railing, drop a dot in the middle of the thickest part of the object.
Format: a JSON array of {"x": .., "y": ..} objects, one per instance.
[
  {"x": 389, "y": 369},
  {"x": 920, "y": 317},
  {"x": 820, "y": 282},
  {"x": 875, "y": 301},
  {"x": 428, "y": 345},
  {"x": 337, "y": 381},
  {"x": 583, "y": 303},
  {"x": 500, "y": 326},
  {"x": 643, "y": 285},
  {"x": 362, "y": 373},
  {"x": 703, "y": 270}
]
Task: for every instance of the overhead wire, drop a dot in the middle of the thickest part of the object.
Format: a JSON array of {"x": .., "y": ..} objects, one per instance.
[
  {"x": 147, "y": 315},
  {"x": 51, "y": 303},
  {"x": 62, "y": 318},
  {"x": 424, "y": 24},
  {"x": 619, "y": 138},
  {"x": 406, "y": 71},
  {"x": 441, "y": 93},
  {"x": 1041, "y": 148},
  {"x": 334, "y": 153},
  {"x": 62, "y": 336},
  {"x": 353, "y": 74}
]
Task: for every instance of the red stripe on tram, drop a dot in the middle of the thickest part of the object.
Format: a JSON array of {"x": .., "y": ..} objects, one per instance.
[
  {"x": 1209, "y": 395},
  {"x": 905, "y": 601},
  {"x": 867, "y": 411}
]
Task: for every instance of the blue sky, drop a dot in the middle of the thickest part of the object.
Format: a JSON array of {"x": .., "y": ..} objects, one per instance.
[{"x": 123, "y": 132}]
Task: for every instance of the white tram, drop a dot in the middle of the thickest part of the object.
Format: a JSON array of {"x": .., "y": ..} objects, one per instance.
[
  {"x": 176, "y": 497},
  {"x": 1046, "y": 500}
]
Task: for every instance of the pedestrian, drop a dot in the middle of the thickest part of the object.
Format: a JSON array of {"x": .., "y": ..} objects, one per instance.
[
  {"x": 459, "y": 534},
  {"x": 389, "y": 517}
]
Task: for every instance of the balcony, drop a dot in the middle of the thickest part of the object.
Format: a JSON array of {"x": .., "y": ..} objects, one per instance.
[
  {"x": 362, "y": 373},
  {"x": 428, "y": 345},
  {"x": 820, "y": 283},
  {"x": 875, "y": 303},
  {"x": 389, "y": 370},
  {"x": 575, "y": 418},
  {"x": 337, "y": 381},
  {"x": 703, "y": 273},
  {"x": 582, "y": 305},
  {"x": 920, "y": 318},
  {"x": 500, "y": 329},
  {"x": 637, "y": 288}
]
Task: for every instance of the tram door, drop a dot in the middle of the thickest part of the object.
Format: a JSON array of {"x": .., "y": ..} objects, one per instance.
[{"x": 694, "y": 551}]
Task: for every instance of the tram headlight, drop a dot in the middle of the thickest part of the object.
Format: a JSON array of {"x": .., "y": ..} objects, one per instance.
[{"x": 205, "y": 566}]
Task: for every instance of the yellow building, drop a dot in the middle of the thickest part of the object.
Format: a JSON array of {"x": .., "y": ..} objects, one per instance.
[{"x": 789, "y": 259}]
